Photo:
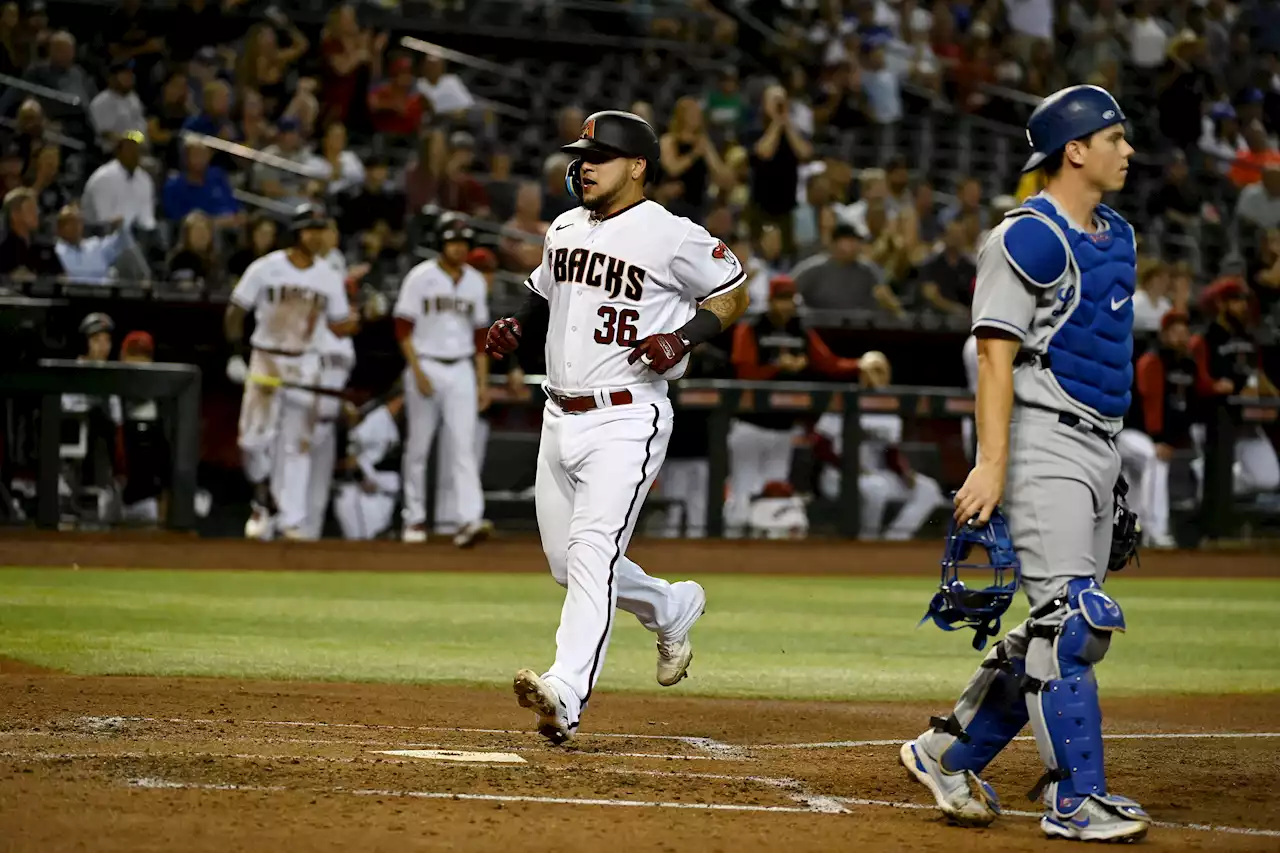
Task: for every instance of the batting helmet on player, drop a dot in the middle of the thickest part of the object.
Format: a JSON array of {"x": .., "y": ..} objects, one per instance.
[
  {"x": 1069, "y": 114},
  {"x": 455, "y": 229},
  {"x": 308, "y": 216},
  {"x": 95, "y": 323},
  {"x": 612, "y": 133},
  {"x": 957, "y": 606}
]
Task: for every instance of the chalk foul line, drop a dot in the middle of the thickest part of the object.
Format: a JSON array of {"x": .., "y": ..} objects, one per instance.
[
  {"x": 850, "y": 744},
  {"x": 158, "y": 783},
  {"x": 811, "y": 804}
]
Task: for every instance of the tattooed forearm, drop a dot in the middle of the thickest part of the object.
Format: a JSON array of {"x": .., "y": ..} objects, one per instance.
[
  {"x": 714, "y": 315},
  {"x": 728, "y": 307}
]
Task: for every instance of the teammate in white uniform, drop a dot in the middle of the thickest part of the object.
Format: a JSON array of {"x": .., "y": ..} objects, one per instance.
[
  {"x": 880, "y": 482},
  {"x": 626, "y": 289},
  {"x": 364, "y": 507},
  {"x": 290, "y": 292},
  {"x": 442, "y": 304}
]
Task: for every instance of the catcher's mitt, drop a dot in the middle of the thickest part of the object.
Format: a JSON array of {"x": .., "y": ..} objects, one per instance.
[{"x": 1125, "y": 532}]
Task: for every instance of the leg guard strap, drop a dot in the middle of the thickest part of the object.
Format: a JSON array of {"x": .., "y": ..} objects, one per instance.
[{"x": 1000, "y": 716}]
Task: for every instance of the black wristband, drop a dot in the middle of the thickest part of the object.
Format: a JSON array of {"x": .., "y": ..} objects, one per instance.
[
  {"x": 534, "y": 310},
  {"x": 704, "y": 326}
]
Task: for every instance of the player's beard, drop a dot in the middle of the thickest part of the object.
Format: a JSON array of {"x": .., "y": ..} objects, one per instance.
[{"x": 605, "y": 200}]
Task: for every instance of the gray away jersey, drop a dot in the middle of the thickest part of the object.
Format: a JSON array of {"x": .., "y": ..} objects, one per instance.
[{"x": 1005, "y": 300}]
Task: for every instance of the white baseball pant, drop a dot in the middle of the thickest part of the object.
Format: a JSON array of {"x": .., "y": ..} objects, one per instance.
[
  {"x": 687, "y": 481},
  {"x": 594, "y": 470},
  {"x": 1256, "y": 467},
  {"x": 261, "y": 416},
  {"x": 324, "y": 453},
  {"x": 1149, "y": 487},
  {"x": 756, "y": 456},
  {"x": 452, "y": 403},
  {"x": 365, "y": 515},
  {"x": 447, "y": 509}
]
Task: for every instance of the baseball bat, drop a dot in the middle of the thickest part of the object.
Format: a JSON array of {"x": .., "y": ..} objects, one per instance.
[{"x": 277, "y": 382}]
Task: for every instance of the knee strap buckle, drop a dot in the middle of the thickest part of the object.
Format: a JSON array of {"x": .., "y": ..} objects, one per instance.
[
  {"x": 1000, "y": 661},
  {"x": 951, "y": 726}
]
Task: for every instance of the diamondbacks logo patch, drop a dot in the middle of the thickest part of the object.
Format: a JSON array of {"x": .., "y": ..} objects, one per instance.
[
  {"x": 589, "y": 129},
  {"x": 721, "y": 253}
]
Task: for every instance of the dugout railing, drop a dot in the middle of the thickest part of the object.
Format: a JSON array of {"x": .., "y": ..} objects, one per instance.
[
  {"x": 1218, "y": 515},
  {"x": 175, "y": 388}
]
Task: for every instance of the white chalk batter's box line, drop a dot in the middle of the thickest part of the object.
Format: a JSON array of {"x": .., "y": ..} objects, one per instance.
[
  {"x": 713, "y": 749},
  {"x": 726, "y": 751},
  {"x": 812, "y": 804}
]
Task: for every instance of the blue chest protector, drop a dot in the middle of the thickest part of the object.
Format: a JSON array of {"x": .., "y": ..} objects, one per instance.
[{"x": 1091, "y": 352}]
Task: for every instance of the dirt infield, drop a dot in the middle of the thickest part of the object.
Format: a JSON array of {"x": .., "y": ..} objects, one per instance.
[
  {"x": 193, "y": 765},
  {"x": 136, "y": 764},
  {"x": 523, "y": 554}
]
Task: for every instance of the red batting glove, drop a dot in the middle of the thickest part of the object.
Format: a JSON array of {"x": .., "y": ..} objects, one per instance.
[
  {"x": 503, "y": 337},
  {"x": 659, "y": 352}
]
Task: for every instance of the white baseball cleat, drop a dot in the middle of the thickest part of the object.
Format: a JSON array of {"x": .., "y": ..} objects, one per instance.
[
  {"x": 294, "y": 534},
  {"x": 553, "y": 718},
  {"x": 676, "y": 652},
  {"x": 963, "y": 796},
  {"x": 413, "y": 534},
  {"x": 261, "y": 524},
  {"x": 1105, "y": 817},
  {"x": 472, "y": 534}
]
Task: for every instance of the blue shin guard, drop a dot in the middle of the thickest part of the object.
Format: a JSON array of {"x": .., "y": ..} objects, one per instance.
[
  {"x": 1001, "y": 714},
  {"x": 1065, "y": 713}
]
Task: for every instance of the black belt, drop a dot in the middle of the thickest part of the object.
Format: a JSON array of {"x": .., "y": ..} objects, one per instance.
[
  {"x": 1073, "y": 421},
  {"x": 282, "y": 352},
  {"x": 447, "y": 360}
]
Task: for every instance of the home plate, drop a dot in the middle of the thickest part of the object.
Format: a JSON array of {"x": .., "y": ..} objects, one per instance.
[{"x": 455, "y": 755}]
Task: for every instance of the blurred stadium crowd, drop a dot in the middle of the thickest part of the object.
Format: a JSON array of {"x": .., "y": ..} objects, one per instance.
[{"x": 852, "y": 153}]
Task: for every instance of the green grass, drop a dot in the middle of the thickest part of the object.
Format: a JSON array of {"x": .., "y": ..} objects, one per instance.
[{"x": 830, "y": 638}]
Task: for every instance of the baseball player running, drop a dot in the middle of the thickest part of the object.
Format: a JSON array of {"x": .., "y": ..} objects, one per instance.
[
  {"x": 1053, "y": 314},
  {"x": 290, "y": 291},
  {"x": 627, "y": 289},
  {"x": 442, "y": 304}
]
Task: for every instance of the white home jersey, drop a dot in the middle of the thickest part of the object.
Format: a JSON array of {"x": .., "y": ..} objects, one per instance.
[
  {"x": 879, "y": 433},
  {"x": 612, "y": 282},
  {"x": 445, "y": 314},
  {"x": 288, "y": 303}
]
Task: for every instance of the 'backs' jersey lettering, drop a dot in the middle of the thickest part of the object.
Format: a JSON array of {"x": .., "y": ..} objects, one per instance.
[
  {"x": 613, "y": 282},
  {"x": 444, "y": 313}
]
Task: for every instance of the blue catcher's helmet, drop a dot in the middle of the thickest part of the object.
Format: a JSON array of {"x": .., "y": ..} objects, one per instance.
[
  {"x": 957, "y": 606},
  {"x": 1071, "y": 113}
]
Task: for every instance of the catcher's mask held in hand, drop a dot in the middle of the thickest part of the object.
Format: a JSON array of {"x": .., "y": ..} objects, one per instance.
[{"x": 956, "y": 605}]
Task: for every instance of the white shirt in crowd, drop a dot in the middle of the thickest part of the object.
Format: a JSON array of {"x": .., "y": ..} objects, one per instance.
[
  {"x": 116, "y": 113},
  {"x": 90, "y": 261},
  {"x": 1030, "y": 17},
  {"x": 112, "y": 192},
  {"x": 1147, "y": 312},
  {"x": 613, "y": 282},
  {"x": 445, "y": 314},
  {"x": 447, "y": 95},
  {"x": 1148, "y": 41},
  {"x": 350, "y": 172},
  {"x": 289, "y": 303}
]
